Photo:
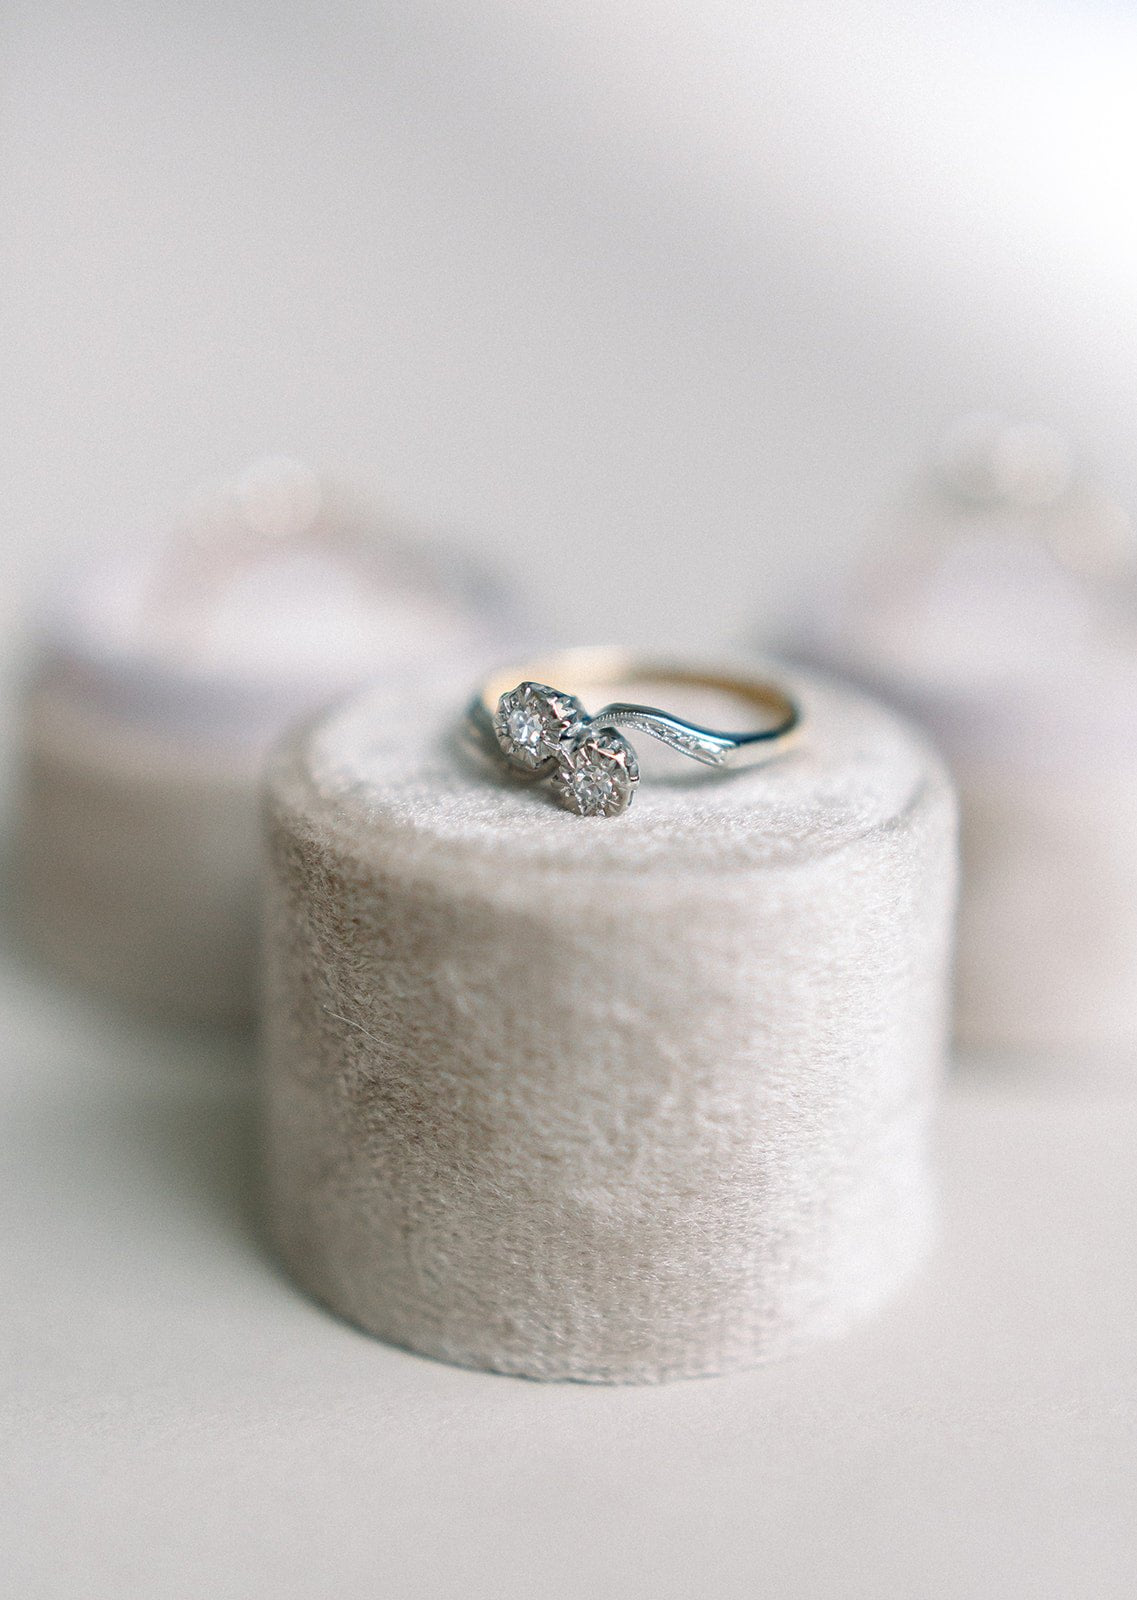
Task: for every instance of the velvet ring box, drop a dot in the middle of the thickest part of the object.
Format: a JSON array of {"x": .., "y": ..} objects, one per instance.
[{"x": 159, "y": 683}]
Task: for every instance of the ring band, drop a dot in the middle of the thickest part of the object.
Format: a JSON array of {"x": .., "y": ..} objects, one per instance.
[{"x": 545, "y": 732}]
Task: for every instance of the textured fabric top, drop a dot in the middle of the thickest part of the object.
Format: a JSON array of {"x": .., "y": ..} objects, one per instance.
[{"x": 379, "y": 768}]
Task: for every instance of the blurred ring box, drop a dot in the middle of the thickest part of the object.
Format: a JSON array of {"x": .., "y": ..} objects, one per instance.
[
  {"x": 1001, "y": 610},
  {"x": 158, "y": 685}
]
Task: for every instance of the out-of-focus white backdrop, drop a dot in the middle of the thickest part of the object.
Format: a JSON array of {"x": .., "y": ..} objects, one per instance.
[{"x": 654, "y": 301}]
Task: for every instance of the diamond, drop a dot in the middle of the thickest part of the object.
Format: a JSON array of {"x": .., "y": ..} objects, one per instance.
[
  {"x": 596, "y": 774},
  {"x": 532, "y": 721}
]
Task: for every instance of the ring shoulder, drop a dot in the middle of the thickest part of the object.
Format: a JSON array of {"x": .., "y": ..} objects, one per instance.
[{"x": 700, "y": 745}]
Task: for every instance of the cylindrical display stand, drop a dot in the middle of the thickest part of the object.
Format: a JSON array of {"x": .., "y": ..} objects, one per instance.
[{"x": 614, "y": 1099}]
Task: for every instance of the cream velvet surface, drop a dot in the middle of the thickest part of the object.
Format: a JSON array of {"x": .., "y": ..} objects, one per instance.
[{"x": 620, "y": 1100}]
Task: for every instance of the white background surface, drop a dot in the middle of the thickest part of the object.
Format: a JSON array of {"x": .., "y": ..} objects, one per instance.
[{"x": 657, "y": 303}]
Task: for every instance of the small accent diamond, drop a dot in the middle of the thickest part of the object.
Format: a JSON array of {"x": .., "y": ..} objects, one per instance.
[{"x": 596, "y": 774}]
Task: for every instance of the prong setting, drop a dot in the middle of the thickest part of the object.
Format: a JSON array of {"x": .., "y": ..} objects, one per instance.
[
  {"x": 532, "y": 722},
  {"x": 596, "y": 774}
]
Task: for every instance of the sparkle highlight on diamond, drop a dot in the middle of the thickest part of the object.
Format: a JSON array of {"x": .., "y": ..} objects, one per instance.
[{"x": 533, "y": 721}]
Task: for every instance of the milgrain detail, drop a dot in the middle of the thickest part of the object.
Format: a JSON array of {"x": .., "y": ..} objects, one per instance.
[{"x": 707, "y": 748}]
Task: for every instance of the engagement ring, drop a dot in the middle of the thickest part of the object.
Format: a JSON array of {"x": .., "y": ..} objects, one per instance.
[{"x": 545, "y": 733}]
